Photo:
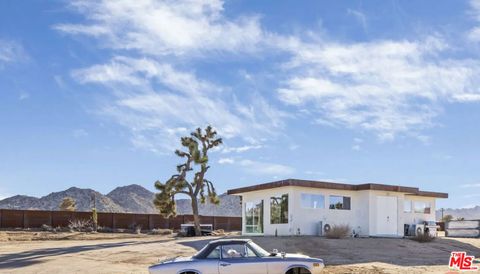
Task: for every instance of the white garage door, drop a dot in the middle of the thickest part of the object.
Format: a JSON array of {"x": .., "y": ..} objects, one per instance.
[{"x": 387, "y": 215}]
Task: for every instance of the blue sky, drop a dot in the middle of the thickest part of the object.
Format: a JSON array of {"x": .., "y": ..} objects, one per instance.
[{"x": 96, "y": 93}]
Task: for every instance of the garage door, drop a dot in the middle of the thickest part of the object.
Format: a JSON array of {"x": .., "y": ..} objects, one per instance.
[{"x": 387, "y": 215}]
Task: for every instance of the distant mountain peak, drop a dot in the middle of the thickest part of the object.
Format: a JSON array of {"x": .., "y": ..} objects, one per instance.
[{"x": 132, "y": 198}]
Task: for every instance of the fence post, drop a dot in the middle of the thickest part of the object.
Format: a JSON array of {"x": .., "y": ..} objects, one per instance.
[
  {"x": 23, "y": 219},
  {"x": 1, "y": 223},
  {"x": 114, "y": 223}
]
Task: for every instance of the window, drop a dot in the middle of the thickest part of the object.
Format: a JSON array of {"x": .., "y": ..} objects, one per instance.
[
  {"x": 312, "y": 200},
  {"x": 339, "y": 202},
  {"x": 279, "y": 209},
  {"x": 254, "y": 217},
  {"x": 215, "y": 254},
  {"x": 237, "y": 251},
  {"x": 422, "y": 207},
  {"x": 233, "y": 251},
  {"x": 407, "y": 206}
]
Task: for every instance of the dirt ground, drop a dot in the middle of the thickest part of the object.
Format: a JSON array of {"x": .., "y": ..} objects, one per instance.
[{"x": 129, "y": 253}]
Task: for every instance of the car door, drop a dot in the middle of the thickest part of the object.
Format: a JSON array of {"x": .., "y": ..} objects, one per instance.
[{"x": 238, "y": 259}]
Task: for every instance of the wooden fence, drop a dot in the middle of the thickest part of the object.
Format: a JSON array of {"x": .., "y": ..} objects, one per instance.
[{"x": 10, "y": 218}]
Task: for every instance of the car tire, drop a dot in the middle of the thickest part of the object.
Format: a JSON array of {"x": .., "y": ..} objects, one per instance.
[{"x": 298, "y": 270}]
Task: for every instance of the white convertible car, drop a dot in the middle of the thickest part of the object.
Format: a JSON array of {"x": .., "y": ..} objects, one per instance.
[{"x": 238, "y": 256}]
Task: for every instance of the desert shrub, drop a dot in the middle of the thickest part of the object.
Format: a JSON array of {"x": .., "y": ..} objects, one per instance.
[
  {"x": 138, "y": 229},
  {"x": 81, "y": 225},
  {"x": 338, "y": 232},
  {"x": 45, "y": 227},
  {"x": 423, "y": 238},
  {"x": 159, "y": 231}
]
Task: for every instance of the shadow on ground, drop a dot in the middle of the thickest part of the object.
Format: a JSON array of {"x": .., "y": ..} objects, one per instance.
[
  {"x": 400, "y": 252},
  {"x": 16, "y": 260}
]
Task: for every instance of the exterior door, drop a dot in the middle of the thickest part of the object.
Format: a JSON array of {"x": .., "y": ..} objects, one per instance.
[{"x": 387, "y": 215}]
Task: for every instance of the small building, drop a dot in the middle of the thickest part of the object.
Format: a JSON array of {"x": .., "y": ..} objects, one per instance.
[{"x": 301, "y": 207}]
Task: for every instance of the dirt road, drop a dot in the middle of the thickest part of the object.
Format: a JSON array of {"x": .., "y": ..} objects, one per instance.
[{"x": 134, "y": 255}]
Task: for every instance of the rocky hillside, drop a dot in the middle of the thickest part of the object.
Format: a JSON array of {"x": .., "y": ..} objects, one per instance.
[
  {"x": 467, "y": 213},
  {"x": 131, "y": 198}
]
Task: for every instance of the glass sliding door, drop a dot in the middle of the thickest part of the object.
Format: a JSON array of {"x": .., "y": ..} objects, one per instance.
[{"x": 254, "y": 217}]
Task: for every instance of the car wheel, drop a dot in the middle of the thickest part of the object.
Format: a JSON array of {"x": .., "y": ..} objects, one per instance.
[
  {"x": 298, "y": 270},
  {"x": 189, "y": 272}
]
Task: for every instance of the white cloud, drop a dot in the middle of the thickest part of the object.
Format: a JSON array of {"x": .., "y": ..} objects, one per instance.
[
  {"x": 153, "y": 99},
  {"x": 226, "y": 161},
  {"x": 388, "y": 87},
  {"x": 474, "y": 33},
  {"x": 470, "y": 185},
  {"x": 356, "y": 146},
  {"x": 360, "y": 16},
  {"x": 264, "y": 168},
  {"x": 240, "y": 149},
  {"x": 151, "y": 95},
  {"x": 80, "y": 133},
  {"x": 259, "y": 168},
  {"x": 23, "y": 96},
  {"x": 166, "y": 27},
  {"x": 11, "y": 51}
]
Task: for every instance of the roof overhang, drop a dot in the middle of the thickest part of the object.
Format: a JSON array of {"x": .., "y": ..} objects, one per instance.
[{"x": 329, "y": 185}]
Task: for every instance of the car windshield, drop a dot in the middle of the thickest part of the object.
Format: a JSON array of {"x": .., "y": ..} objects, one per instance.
[{"x": 260, "y": 251}]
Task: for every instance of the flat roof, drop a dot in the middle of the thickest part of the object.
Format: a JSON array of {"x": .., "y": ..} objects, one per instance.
[{"x": 329, "y": 185}]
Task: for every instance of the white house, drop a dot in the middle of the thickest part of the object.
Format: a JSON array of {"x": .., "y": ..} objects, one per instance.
[{"x": 296, "y": 207}]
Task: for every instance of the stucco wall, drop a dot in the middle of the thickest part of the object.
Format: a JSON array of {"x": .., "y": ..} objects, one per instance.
[{"x": 361, "y": 217}]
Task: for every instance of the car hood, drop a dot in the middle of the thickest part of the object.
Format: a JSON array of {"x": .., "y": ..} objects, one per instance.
[
  {"x": 293, "y": 255},
  {"x": 175, "y": 260}
]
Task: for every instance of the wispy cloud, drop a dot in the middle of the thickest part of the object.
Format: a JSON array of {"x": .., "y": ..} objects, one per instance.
[
  {"x": 23, "y": 96},
  {"x": 470, "y": 185},
  {"x": 474, "y": 195},
  {"x": 264, "y": 168},
  {"x": 151, "y": 94},
  {"x": 474, "y": 33},
  {"x": 240, "y": 149},
  {"x": 166, "y": 27},
  {"x": 387, "y": 87},
  {"x": 258, "y": 167},
  {"x": 357, "y": 144},
  {"x": 226, "y": 161},
  {"x": 80, "y": 133},
  {"x": 11, "y": 51},
  {"x": 360, "y": 16}
]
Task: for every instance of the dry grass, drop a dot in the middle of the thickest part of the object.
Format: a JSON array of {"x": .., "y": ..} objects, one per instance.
[
  {"x": 117, "y": 255},
  {"x": 338, "y": 232},
  {"x": 423, "y": 238},
  {"x": 160, "y": 231}
]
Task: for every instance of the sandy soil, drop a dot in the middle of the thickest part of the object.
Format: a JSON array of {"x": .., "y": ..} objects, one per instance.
[{"x": 128, "y": 253}]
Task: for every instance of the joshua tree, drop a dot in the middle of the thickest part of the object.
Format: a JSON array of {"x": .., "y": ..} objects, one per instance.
[
  {"x": 68, "y": 204},
  {"x": 196, "y": 155}
]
